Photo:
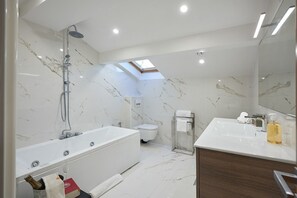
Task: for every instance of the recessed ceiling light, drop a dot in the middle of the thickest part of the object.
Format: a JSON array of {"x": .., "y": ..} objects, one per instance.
[
  {"x": 40, "y": 57},
  {"x": 219, "y": 81},
  {"x": 263, "y": 78},
  {"x": 183, "y": 9},
  {"x": 116, "y": 31},
  {"x": 61, "y": 49},
  {"x": 81, "y": 76},
  {"x": 201, "y": 61}
]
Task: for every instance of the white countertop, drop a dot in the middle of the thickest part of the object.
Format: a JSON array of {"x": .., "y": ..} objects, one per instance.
[{"x": 227, "y": 135}]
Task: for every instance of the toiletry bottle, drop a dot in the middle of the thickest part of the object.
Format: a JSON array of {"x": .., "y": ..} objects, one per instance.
[
  {"x": 274, "y": 131},
  {"x": 289, "y": 134}
]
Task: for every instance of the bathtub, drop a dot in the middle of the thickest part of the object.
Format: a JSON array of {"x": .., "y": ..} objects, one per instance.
[{"x": 90, "y": 158}]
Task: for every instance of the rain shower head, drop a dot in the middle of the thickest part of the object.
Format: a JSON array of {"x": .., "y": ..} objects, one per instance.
[{"x": 75, "y": 33}]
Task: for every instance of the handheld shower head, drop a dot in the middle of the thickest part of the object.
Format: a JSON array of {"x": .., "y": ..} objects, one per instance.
[{"x": 75, "y": 33}]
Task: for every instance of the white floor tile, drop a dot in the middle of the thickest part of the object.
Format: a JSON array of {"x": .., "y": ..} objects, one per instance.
[{"x": 160, "y": 173}]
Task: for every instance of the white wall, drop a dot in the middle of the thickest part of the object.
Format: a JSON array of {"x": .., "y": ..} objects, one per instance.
[
  {"x": 97, "y": 95},
  {"x": 206, "y": 97},
  {"x": 288, "y": 124},
  {"x": 105, "y": 96}
]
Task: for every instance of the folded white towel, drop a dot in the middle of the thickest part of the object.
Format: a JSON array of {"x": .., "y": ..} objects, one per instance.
[
  {"x": 54, "y": 186},
  {"x": 99, "y": 190},
  {"x": 183, "y": 113},
  {"x": 182, "y": 125}
]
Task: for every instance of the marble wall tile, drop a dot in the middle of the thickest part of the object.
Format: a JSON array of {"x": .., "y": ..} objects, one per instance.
[
  {"x": 136, "y": 111},
  {"x": 206, "y": 97},
  {"x": 282, "y": 99},
  {"x": 277, "y": 91},
  {"x": 98, "y": 92},
  {"x": 103, "y": 95}
]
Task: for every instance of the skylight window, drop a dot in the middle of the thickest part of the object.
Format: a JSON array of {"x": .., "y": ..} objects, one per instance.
[{"x": 144, "y": 66}]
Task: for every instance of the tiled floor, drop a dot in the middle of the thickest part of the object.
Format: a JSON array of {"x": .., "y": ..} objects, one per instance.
[{"x": 160, "y": 173}]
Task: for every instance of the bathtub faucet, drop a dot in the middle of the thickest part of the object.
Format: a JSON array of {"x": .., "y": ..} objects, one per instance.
[
  {"x": 69, "y": 134},
  {"x": 119, "y": 124}
]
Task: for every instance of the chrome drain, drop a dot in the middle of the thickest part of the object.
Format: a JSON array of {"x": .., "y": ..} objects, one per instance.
[{"x": 92, "y": 143}]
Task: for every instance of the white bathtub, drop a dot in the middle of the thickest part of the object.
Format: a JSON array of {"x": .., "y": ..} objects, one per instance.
[{"x": 114, "y": 150}]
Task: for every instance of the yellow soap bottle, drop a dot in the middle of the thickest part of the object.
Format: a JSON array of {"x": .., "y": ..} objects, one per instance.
[{"x": 274, "y": 131}]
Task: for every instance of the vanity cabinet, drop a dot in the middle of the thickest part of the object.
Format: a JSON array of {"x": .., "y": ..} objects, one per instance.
[{"x": 225, "y": 175}]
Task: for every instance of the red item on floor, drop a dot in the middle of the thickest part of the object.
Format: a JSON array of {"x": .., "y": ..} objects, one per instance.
[{"x": 71, "y": 188}]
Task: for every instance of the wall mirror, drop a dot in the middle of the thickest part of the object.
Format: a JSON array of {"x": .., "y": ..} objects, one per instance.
[{"x": 276, "y": 74}]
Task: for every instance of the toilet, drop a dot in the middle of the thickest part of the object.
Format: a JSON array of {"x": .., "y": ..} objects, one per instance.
[{"x": 147, "y": 132}]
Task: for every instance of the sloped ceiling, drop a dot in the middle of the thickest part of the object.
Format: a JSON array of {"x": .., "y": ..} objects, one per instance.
[
  {"x": 150, "y": 22},
  {"x": 218, "y": 63}
]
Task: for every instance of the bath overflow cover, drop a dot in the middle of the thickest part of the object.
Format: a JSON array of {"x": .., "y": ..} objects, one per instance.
[{"x": 92, "y": 144}]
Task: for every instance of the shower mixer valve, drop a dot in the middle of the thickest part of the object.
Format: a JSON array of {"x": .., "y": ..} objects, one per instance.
[{"x": 69, "y": 135}]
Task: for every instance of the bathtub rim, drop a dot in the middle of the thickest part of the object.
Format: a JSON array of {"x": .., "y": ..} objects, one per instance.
[{"x": 60, "y": 161}]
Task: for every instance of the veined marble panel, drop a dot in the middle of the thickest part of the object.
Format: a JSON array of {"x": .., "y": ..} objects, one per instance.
[
  {"x": 277, "y": 91},
  {"x": 104, "y": 95},
  {"x": 136, "y": 111},
  {"x": 207, "y": 98},
  {"x": 98, "y": 95}
]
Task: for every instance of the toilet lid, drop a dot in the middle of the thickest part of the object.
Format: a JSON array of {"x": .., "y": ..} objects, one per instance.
[{"x": 147, "y": 126}]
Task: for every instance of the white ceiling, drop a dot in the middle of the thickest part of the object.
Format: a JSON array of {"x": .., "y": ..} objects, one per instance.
[
  {"x": 144, "y": 21},
  {"x": 148, "y": 22},
  {"x": 218, "y": 63}
]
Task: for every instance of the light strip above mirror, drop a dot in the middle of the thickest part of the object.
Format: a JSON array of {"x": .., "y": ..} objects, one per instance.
[
  {"x": 283, "y": 20},
  {"x": 260, "y": 22}
]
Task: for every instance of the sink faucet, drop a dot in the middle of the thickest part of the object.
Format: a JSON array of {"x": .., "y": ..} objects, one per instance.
[
  {"x": 263, "y": 121},
  {"x": 259, "y": 120}
]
